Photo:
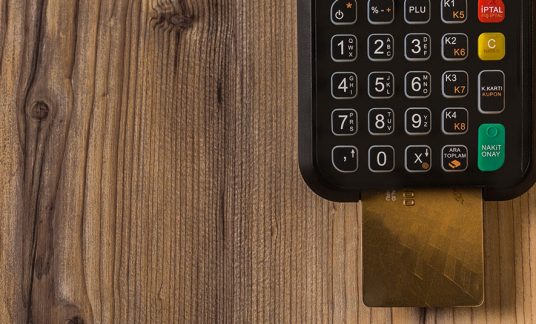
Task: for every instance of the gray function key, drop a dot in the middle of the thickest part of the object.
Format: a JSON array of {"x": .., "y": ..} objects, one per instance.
[
  {"x": 454, "y": 11},
  {"x": 455, "y": 47},
  {"x": 491, "y": 92},
  {"x": 417, "y": 11},
  {"x": 381, "y": 12},
  {"x": 455, "y": 84},
  {"x": 344, "y": 12}
]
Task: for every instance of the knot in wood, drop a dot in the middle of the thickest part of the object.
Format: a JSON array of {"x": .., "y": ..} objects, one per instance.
[
  {"x": 167, "y": 16},
  {"x": 76, "y": 320},
  {"x": 40, "y": 110}
]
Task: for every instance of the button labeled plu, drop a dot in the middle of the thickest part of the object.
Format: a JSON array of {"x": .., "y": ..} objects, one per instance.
[
  {"x": 417, "y": 11},
  {"x": 491, "y": 46},
  {"x": 491, "y": 147}
]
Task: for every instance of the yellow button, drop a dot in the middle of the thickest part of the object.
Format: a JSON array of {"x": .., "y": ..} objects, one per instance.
[{"x": 491, "y": 46}]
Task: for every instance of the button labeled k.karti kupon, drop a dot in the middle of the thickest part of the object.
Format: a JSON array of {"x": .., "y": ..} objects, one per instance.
[
  {"x": 491, "y": 92},
  {"x": 491, "y": 147},
  {"x": 344, "y": 12},
  {"x": 491, "y": 11}
]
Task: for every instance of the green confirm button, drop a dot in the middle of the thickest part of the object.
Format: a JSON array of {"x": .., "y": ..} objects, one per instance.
[{"x": 491, "y": 146}]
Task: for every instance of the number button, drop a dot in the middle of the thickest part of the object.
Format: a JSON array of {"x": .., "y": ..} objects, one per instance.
[
  {"x": 417, "y": 11},
  {"x": 381, "y": 12},
  {"x": 344, "y": 122},
  {"x": 381, "y": 85},
  {"x": 455, "y": 121},
  {"x": 418, "y": 47},
  {"x": 381, "y": 47},
  {"x": 455, "y": 84},
  {"x": 455, "y": 47},
  {"x": 418, "y": 158},
  {"x": 381, "y": 121},
  {"x": 418, "y": 121},
  {"x": 381, "y": 159},
  {"x": 344, "y": 48},
  {"x": 345, "y": 158},
  {"x": 454, "y": 11},
  {"x": 344, "y": 85},
  {"x": 344, "y": 12},
  {"x": 418, "y": 85}
]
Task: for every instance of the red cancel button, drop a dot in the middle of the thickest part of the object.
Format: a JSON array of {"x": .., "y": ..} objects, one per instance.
[{"x": 491, "y": 11}]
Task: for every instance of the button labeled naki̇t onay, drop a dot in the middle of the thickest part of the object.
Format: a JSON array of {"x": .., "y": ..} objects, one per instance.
[{"x": 491, "y": 147}]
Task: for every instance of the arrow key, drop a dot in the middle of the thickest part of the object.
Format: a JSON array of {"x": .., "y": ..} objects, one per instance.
[
  {"x": 345, "y": 158},
  {"x": 418, "y": 158}
]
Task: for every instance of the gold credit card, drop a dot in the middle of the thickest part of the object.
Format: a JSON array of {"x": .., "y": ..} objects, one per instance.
[{"x": 423, "y": 248}]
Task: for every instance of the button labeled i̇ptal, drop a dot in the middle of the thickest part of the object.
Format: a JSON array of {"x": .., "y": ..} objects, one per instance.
[
  {"x": 491, "y": 147},
  {"x": 491, "y": 46},
  {"x": 491, "y": 11}
]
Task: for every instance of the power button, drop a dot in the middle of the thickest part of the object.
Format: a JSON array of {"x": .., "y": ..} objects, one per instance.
[{"x": 344, "y": 12}]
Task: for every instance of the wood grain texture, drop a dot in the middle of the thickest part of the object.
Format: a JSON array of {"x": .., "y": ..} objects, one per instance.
[{"x": 148, "y": 158}]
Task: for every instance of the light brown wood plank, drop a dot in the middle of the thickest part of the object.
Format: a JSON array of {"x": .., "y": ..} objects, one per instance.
[{"x": 149, "y": 174}]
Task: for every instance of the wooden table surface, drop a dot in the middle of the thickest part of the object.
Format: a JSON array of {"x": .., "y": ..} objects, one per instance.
[{"x": 148, "y": 159}]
